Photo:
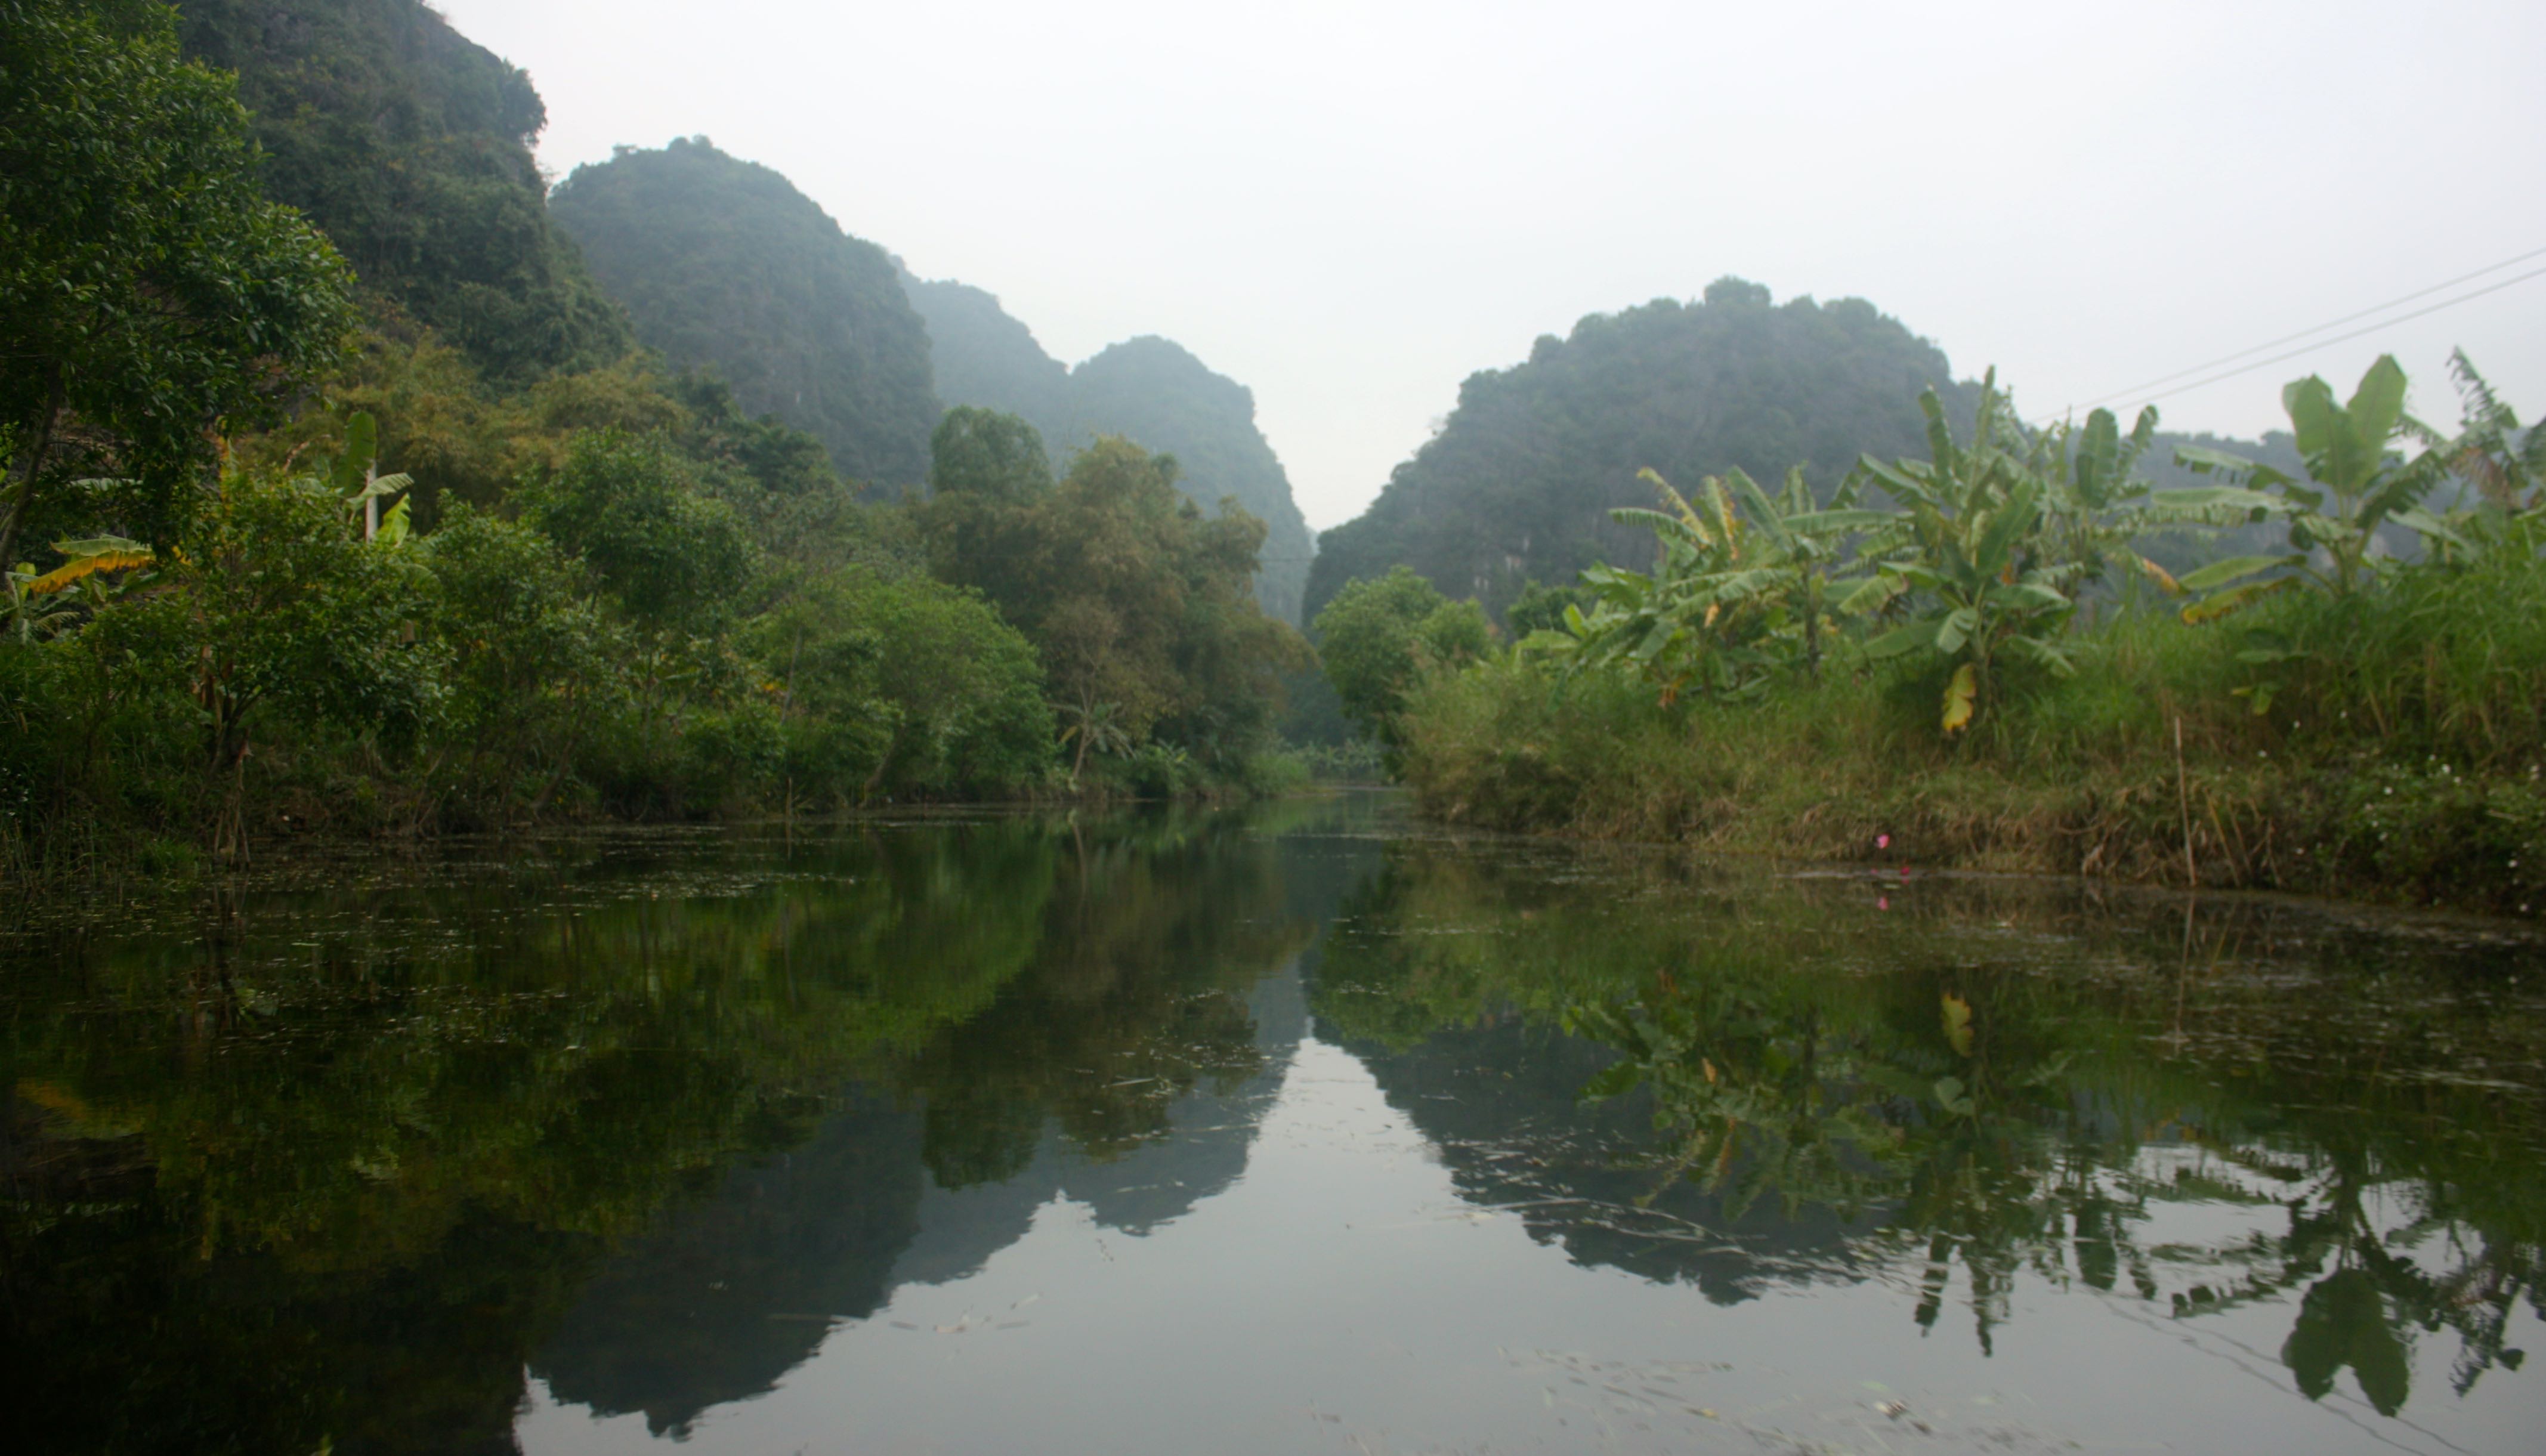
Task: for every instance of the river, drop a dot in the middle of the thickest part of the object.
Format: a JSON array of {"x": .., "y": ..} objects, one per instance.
[{"x": 1296, "y": 1128}]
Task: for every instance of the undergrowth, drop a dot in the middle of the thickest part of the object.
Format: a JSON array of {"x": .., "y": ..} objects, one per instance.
[{"x": 2387, "y": 745}]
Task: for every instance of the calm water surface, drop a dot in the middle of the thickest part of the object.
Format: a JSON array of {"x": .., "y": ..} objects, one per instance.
[{"x": 1299, "y": 1130}]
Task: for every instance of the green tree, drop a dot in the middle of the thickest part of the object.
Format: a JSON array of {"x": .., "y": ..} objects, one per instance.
[
  {"x": 986, "y": 470},
  {"x": 892, "y": 681},
  {"x": 1541, "y": 608},
  {"x": 534, "y": 656},
  {"x": 1147, "y": 390},
  {"x": 275, "y": 599},
  {"x": 410, "y": 145},
  {"x": 673, "y": 556},
  {"x": 149, "y": 296},
  {"x": 1139, "y": 604},
  {"x": 1969, "y": 563},
  {"x": 1376, "y": 636}
]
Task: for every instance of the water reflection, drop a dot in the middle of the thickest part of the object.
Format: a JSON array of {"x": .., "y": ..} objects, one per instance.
[
  {"x": 646, "y": 1123},
  {"x": 1979, "y": 1081},
  {"x": 333, "y": 1167}
]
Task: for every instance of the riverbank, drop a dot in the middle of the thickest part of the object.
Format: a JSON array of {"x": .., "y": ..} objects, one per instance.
[{"x": 2397, "y": 758}]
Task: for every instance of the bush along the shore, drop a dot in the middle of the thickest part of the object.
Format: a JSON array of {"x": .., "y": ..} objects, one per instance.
[
  {"x": 1987, "y": 674},
  {"x": 638, "y": 630},
  {"x": 278, "y": 558}
]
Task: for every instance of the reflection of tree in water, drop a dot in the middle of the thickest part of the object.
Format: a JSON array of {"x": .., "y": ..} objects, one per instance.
[
  {"x": 1783, "y": 1086},
  {"x": 1125, "y": 1068},
  {"x": 330, "y": 1171}
]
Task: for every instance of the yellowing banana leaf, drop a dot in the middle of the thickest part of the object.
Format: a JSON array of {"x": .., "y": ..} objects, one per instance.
[
  {"x": 89, "y": 556},
  {"x": 1961, "y": 692}
]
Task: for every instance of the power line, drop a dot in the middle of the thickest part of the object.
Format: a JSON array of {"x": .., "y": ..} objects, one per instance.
[
  {"x": 2355, "y": 333},
  {"x": 2134, "y": 389}
]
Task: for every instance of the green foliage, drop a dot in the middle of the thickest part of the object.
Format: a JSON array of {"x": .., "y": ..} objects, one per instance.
[
  {"x": 1518, "y": 483},
  {"x": 2088, "y": 762},
  {"x": 1541, "y": 608},
  {"x": 499, "y": 567},
  {"x": 1730, "y": 603},
  {"x": 987, "y": 470},
  {"x": 1138, "y": 604},
  {"x": 2395, "y": 760},
  {"x": 2491, "y": 451},
  {"x": 631, "y": 508},
  {"x": 533, "y": 657},
  {"x": 2356, "y": 486},
  {"x": 410, "y": 145},
  {"x": 1149, "y": 390},
  {"x": 1975, "y": 567},
  {"x": 899, "y": 683},
  {"x": 1378, "y": 637},
  {"x": 278, "y": 599},
  {"x": 723, "y": 264},
  {"x": 147, "y": 291},
  {"x": 994, "y": 458},
  {"x": 1153, "y": 392}
]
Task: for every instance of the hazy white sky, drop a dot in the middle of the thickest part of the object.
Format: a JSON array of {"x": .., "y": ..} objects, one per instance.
[{"x": 1352, "y": 206}]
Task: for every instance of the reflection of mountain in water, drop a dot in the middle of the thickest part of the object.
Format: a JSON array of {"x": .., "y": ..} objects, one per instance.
[
  {"x": 1500, "y": 1101},
  {"x": 733, "y": 1293}
]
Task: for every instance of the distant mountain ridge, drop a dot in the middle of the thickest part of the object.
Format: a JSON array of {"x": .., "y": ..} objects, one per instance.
[
  {"x": 1149, "y": 389},
  {"x": 1518, "y": 485}
]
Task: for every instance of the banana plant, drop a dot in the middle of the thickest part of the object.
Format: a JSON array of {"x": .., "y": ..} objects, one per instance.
[
  {"x": 44, "y": 604},
  {"x": 1968, "y": 562},
  {"x": 1093, "y": 726},
  {"x": 354, "y": 476},
  {"x": 1806, "y": 543},
  {"x": 2356, "y": 484},
  {"x": 1694, "y": 622}
]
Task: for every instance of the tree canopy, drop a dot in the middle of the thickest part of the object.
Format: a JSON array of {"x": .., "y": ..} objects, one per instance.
[
  {"x": 1519, "y": 483},
  {"x": 147, "y": 291},
  {"x": 724, "y": 265},
  {"x": 410, "y": 145},
  {"x": 1138, "y": 601},
  {"x": 1379, "y": 633},
  {"x": 1147, "y": 390}
]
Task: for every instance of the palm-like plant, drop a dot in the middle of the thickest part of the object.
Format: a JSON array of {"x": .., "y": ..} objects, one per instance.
[
  {"x": 2505, "y": 463},
  {"x": 2356, "y": 483},
  {"x": 1095, "y": 727},
  {"x": 1967, "y": 561},
  {"x": 1731, "y": 599}
]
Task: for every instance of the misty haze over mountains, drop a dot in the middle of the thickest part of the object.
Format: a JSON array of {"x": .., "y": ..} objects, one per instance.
[{"x": 410, "y": 145}]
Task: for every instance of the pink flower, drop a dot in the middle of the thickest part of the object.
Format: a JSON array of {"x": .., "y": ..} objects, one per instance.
[
  {"x": 1883, "y": 901},
  {"x": 1883, "y": 841}
]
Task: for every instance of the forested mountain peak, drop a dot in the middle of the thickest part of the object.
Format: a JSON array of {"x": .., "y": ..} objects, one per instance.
[
  {"x": 1150, "y": 390},
  {"x": 724, "y": 264},
  {"x": 409, "y": 145},
  {"x": 1518, "y": 483}
]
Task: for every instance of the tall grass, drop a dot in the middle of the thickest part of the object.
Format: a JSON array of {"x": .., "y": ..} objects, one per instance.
[{"x": 2398, "y": 753}]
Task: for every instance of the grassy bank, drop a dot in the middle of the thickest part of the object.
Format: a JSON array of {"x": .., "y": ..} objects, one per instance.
[{"x": 2398, "y": 759}]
